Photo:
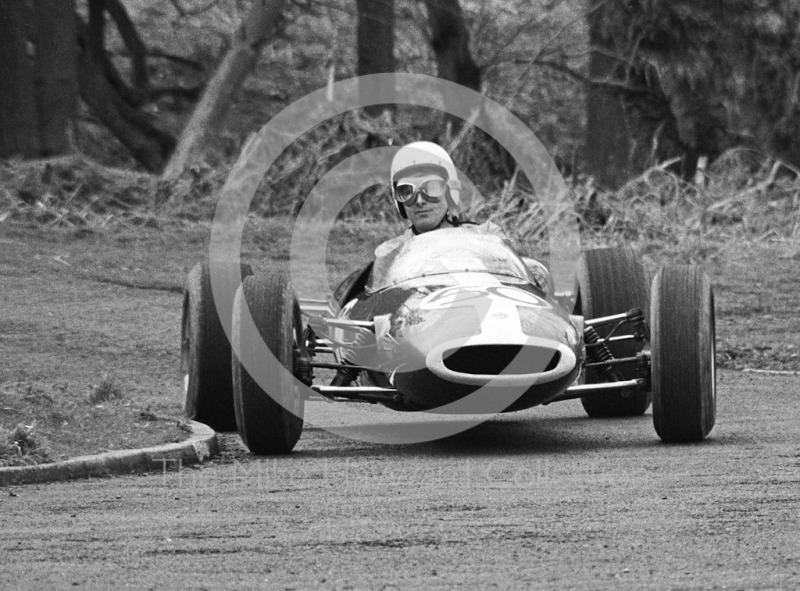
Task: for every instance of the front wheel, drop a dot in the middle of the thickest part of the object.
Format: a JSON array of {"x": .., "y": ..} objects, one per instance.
[
  {"x": 269, "y": 422},
  {"x": 206, "y": 351},
  {"x": 683, "y": 354}
]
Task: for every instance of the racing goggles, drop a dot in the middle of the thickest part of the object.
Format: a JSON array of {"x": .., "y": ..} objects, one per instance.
[{"x": 432, "y": 190}]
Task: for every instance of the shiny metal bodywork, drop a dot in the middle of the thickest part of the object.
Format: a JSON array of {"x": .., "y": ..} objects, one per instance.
[{"x": 453, "y": 312}]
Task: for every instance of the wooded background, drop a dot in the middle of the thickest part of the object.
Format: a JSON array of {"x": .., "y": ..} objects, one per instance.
[{"x": 611, "y": 86}]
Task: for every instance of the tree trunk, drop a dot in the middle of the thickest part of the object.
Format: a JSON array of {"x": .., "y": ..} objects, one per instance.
[
  {"x": 608, "y": 138},
  {"x": 260, "y": 26},
  {"x": 55, "y": 75},
  {"x": 450, "y": 42},
  {"x": 149, "y": 145},
  {"x": 375, "y": 48},
  {"x": 19, "y": 129}
]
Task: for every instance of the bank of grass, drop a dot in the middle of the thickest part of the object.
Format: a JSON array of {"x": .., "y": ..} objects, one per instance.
[
  {"x": 42, "y": 421},
  {"x": 22, "y": 446},
  {"x": 742, "y": 196}
]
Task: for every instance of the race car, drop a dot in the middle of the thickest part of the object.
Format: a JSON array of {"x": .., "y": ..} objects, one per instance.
[{"x": 454, "y": 322}]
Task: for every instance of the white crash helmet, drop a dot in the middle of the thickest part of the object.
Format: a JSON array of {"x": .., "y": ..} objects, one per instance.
[{"x": 427, "y": 155}]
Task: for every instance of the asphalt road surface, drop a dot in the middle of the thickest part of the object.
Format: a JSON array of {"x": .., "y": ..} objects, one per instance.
[{"x": 544, "y": 499}]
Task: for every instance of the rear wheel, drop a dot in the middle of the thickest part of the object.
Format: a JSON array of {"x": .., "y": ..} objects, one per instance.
[
  {"x": 612, "y": 281},
  {"x": 683, "y": 354},
  {"x": 268, "y": 422},
  {"x": 206, "y": 352}
]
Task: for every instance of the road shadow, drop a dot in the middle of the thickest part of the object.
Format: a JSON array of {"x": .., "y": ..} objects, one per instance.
[{"x": 505, "y": 436}]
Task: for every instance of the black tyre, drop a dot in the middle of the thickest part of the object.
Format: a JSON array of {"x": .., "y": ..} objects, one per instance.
[
  {"x": 612, "y": 281},
  {"x": 683, "y": 354},
  {"x": 206, "y": 352},
  {"x": 268, "y": 422}
]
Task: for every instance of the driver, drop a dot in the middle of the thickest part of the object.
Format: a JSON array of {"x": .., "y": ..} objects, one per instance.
[{"x": 426, "y": 191}]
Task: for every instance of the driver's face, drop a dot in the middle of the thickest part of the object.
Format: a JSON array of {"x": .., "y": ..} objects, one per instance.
[{"x": 425, "y": 215}]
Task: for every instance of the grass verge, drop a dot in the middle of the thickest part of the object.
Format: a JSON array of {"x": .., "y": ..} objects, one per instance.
[{"x": 43, "y": 422}]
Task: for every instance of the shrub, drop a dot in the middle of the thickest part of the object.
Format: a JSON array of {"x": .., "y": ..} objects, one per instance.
[
  {"x": 21, "y": 445},
  {"x": 108, "y": 389}
]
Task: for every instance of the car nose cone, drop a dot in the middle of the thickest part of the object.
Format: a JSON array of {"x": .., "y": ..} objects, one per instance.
[
  {"x": 528, "y": 362},
  {"x": 501, "y": 359}
]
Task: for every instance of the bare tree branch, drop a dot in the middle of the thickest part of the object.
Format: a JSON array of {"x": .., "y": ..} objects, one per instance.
[
  {"x": 309, "y": 7},
  {"x": 508, "y": 42},
  {"x": 148, "y": 144},
  {"x": 259, "y": 26},
  {"x": 191, "y": 93},
  {"x": 520, "y": 79},
  {"x": 95, "y": 35},
  {"x": 94, "y": 39},
  {"x": 609, "y": 83},
  {"x": 156, "y": 52},
  {"x": 133, "y": 42},
  {"x": 186, "y": 12}
]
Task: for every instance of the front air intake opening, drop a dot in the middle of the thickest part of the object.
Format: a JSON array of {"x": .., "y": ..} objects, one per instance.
[{"x": 496, "y": 359}]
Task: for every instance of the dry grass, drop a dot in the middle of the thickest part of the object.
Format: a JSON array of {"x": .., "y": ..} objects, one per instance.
[
  {"x": 107, "y": 390},
  {"x": 55, "y": 421},
  {"x": 743, "y": 197},
  {"x": 22, "y": 446}
]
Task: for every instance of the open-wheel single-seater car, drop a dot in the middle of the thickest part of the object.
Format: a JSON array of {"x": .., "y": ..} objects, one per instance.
[{"x": 453, "y": 322}]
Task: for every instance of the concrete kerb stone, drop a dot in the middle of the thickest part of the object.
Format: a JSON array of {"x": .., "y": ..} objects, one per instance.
[{"x": 201, "y": 446}]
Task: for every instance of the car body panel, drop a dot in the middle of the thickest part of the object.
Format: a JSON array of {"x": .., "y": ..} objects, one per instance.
[{"x": 453, "y": 312}]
